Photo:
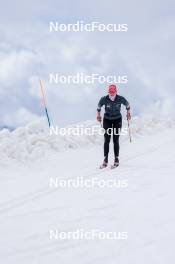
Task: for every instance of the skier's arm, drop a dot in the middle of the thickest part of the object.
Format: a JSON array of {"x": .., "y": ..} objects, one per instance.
[
  {"x": 126, "y": 103},
  {"x": 100, "y": 104}
]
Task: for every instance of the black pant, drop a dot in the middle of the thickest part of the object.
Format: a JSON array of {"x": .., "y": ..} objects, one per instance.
[{"x": 111, "y": 127}]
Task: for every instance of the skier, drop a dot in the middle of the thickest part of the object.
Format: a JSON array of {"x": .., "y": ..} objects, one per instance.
[{"x": 112, "y": 121}]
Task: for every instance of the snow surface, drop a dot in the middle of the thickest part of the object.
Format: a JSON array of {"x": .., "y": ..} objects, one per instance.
[{"x": 29, "y": 208}]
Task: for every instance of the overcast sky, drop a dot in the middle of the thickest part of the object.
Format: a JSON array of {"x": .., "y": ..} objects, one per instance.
[{"x": 28, "y": 52}]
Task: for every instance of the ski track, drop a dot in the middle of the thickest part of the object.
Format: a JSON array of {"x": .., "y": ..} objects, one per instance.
[{"x": 25, "y": 233}]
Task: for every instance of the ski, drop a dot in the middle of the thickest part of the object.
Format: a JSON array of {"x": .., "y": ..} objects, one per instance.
[{"x": 114, "y": 166}]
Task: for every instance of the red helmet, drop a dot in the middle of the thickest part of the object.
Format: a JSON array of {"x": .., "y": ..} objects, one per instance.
[{"x": 112, "y": 89}]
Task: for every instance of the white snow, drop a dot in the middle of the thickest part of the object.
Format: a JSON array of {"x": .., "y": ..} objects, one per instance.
[
  {"x": 34, "y": 141},
  {"x": 29, "y": 208}
]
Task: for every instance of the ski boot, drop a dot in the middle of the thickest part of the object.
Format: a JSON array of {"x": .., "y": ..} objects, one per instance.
[
  {"x": 104, "y": 164},
  {"x": 116, "y": 163}
]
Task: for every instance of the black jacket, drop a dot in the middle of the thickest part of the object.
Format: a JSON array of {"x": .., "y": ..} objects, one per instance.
[{"x": 112, "y": 108}]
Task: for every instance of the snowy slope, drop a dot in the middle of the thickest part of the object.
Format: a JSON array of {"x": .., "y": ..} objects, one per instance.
[
  {"x": 29, "y": 208},
  {"x": 34, "y": 141}
]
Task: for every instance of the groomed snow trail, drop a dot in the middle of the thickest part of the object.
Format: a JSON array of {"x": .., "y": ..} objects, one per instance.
[{"x": 29, "y": 208}]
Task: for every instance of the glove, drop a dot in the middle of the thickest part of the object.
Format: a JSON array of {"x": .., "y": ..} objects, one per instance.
[
  {"x": 128, "y": 116},
  {"x": 99, "y": 118}
]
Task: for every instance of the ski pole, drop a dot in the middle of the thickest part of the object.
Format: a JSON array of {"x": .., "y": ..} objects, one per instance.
[
  {"x": 129, "y": 130},
  {"x": 44, "y": 101}
]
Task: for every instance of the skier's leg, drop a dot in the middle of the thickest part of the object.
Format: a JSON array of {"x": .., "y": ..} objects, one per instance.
[
  {"x": 106, "y": 125},
  {"x": 117, "y": 125},
  {"x": 106, "y": 146}
]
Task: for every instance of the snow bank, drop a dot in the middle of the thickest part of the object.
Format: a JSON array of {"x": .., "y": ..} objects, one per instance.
[{"x": 34, "y": 141}]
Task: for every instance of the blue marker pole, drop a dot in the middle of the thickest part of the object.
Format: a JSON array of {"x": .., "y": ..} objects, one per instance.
[{"x": 44, "y": 102}]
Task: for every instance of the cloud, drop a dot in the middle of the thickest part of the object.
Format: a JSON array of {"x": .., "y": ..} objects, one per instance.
[
  {"x": 15, "y": 66},
  {"x": 20, "y": 117},
  {"x": 29, "y": 52}
]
